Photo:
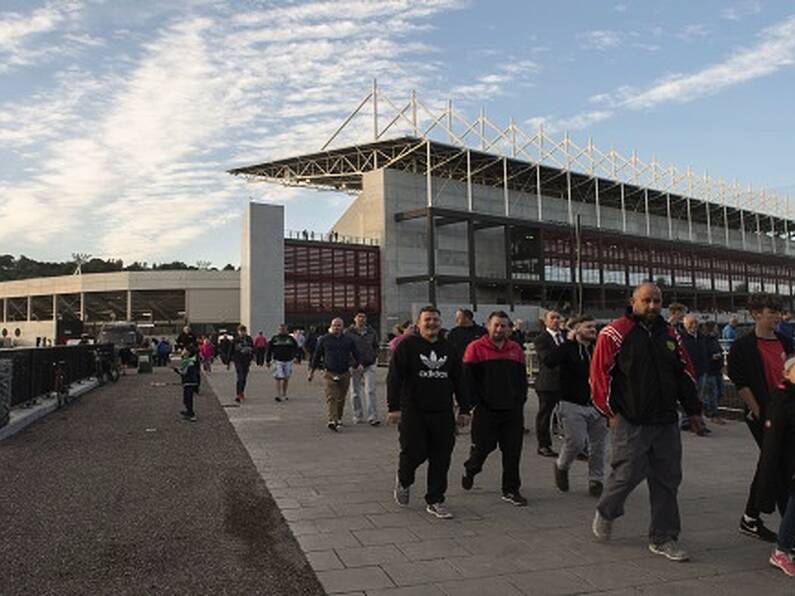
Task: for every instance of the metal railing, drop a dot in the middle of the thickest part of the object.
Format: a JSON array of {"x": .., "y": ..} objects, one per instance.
[
  {"x": 32, "y": 368},
  {"x": 328, "y": 237}
]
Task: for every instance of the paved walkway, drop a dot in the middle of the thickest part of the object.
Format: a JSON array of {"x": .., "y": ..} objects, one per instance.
[
  {"x": 335, "y": 490},
  {"x": 116, "y": 495}
]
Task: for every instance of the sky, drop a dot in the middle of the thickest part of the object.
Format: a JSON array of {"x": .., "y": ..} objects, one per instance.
[{"x": 118, "y": 119}]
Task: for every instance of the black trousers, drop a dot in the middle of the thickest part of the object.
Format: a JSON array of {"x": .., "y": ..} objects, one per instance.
[
  {"x": 187, "y": 398},
  {"x": 260, "y": 356},
  {"x": 491, "y": 428},
  {"x": 241, "y": 369},
  {"x": 751, "y": 506},
  {"x": 547, "y": 400},
  {"x": 427, "y": 436}
]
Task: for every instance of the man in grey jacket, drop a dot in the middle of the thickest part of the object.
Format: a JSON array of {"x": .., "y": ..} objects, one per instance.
[{"x": 363, "y": 379}]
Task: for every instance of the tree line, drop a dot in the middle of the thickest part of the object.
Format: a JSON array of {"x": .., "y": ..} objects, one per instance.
[{"x": 22, "y": 267}]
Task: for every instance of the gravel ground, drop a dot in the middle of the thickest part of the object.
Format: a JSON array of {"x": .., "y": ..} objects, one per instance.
[{"x": 117, "y": 495}]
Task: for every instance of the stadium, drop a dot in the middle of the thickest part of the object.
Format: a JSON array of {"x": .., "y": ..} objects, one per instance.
[
  {"x": 452, "y": 212},
  {"x": 471, "y": 213}
]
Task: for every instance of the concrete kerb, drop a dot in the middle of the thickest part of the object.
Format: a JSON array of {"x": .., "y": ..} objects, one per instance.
[{"x": 21, "y": 417}]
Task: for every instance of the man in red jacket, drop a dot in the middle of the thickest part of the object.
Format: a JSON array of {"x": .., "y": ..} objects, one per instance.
[
  {"x": 639, "y": 371},
  {"x": 496, "y": 374}
]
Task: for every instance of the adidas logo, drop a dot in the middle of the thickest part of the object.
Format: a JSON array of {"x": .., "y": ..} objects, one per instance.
[{"x": 433, "y": 362}]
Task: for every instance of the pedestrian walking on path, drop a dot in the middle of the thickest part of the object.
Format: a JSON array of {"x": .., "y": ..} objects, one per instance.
[
  {"x": 496, "y": 376},
  {"x": 777, "y": 467},
  {"x": 188, "y": 371},
  {"x": 547, "y": 382},
  {"x": 363, "y": 380},
  {"x": 640, "y": 370},
  {"x": 242, "y": 353},
  {"x": 282, "y": 350},
  {"x": 260, "y": 348},
  {"x": 424, "y": 376},
  {"x": 334, "y": 353},
  {"x": 582, "y": 423},
  {"x": 755, "y": 367}
]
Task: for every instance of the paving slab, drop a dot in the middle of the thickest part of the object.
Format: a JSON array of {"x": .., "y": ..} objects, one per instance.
[{"x": 335, "y": 483}]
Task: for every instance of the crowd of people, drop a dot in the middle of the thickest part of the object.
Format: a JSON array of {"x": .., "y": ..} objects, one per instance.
[{"x": 627, "y": 391}]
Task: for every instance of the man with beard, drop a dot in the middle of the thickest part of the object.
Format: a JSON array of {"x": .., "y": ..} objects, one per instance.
[
  {"x": 496, "y": 374},
  {"x": 640, "y": 370}
]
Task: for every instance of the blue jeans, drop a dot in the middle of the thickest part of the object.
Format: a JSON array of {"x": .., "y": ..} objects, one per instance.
[
  {"x": 708, "y": 394},
  {"x": 786, "y": 531}
]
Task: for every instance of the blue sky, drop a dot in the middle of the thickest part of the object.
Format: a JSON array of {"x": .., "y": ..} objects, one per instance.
[{"x": 118, "y": 119}]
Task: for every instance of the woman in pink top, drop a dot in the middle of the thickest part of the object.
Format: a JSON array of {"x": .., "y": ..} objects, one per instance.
[{"x": 207, "y": 353}]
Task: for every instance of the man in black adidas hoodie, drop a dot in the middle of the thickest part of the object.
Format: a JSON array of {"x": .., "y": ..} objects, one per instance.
[{"x": 424, "y": 375}]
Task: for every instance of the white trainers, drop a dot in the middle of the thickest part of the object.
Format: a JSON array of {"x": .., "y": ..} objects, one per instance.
[
  {"x": 439, "y": 510},
  {"x": 601, "y": 527},
  {"x": 670, "y": 550}
]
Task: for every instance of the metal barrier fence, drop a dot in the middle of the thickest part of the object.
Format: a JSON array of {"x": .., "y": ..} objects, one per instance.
[{"x": 33, "y": 368}]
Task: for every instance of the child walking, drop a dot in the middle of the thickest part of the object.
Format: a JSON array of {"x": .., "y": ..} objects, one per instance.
[
  {"x": 777, "y": 467},
  {"x": 189, "y": 372}
]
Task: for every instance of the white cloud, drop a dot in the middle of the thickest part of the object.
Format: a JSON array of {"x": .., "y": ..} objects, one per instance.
[
  {"x": 19, "y": 31},
  {"x": 601, "y": 40},
  {"x": 738, "y": 11},
  {"x": 693, "y": 32},
  {"x": 136, "y": 152},
  {"x": 774, "y": 51},
  {"x": 509, "y": 74}
]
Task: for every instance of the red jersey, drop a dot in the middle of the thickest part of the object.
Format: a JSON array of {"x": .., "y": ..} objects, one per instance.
[{"x": 772, "y": 353}]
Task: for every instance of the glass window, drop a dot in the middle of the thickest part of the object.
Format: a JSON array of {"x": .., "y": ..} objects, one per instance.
[
  {"x": 17, "y": 309},
  {"x": 41, "y": 308}
]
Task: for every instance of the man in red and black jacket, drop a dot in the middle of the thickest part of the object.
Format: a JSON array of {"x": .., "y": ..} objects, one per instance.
[
  {"x": 756, "y": 367},
  {"x": 496, "y": 374},
  {"x": 639, "y": 371}
]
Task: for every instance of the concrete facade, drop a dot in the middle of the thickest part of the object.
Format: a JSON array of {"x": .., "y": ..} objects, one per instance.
[
  {"x": 262, "y": 267},
  {"x": 210, "y": 296}
]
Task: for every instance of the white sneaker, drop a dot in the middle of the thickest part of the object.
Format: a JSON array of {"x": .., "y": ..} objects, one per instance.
[{"x": 439, "y": 510}]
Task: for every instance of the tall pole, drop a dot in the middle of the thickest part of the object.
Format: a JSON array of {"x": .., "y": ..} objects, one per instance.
[
  {"x": 375, "y": 110},
  {"x": 578, "y": 242}
]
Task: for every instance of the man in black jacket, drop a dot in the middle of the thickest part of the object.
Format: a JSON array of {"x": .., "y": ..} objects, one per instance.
[
  {"x": 424, "y": 375},
  {"x": 755, "y": 366},
  {"x": 547, "y": 382},
  {"x": 696, "y": 347},
  {"x": 639, "y": 371},
  {"x": 496, "y": 374},
  {"x": 582, "y": 423},
  {"x": 466, "y": 330},
  {"x": 242, "y": 354}
]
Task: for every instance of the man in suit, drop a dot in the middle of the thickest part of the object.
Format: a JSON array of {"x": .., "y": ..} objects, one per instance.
[{"x": 547, "y": 383}]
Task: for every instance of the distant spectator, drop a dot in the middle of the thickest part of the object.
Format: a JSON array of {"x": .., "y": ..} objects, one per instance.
[
  {"x": 163, "y": 352},
  {"x": 242, "y": 354},
  {"x": 696, "y": 347},
  {"x": 186, "y": 338},
  {"x": 207, "y": 353},
  {"x": 465, "y": 332},
  {"x": 676, "y": 316},
  {"x": 713, "y": 389},
  {"x": 407, "y": 329},
  {"x": 729, "y": 333},
  {"x": 260, "y": 348},
  {"x": 282, "y": 350},
  {"x": 785, "y": 326}
]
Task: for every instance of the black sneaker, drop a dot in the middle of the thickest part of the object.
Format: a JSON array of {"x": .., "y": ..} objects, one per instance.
[
  {"x": 515, "y": 499},
  {"x": 277, "y": 398},
  {"x": 756, "y": 529},
  {"x": 332, "y": 426},
  {"x": 561, "y": 478},
  {"x": 547, "y": 452},
  {"x": 595, "y": 488},
  {"x": 467, "y": 481},
  {"x": 583, "y": 455}
]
